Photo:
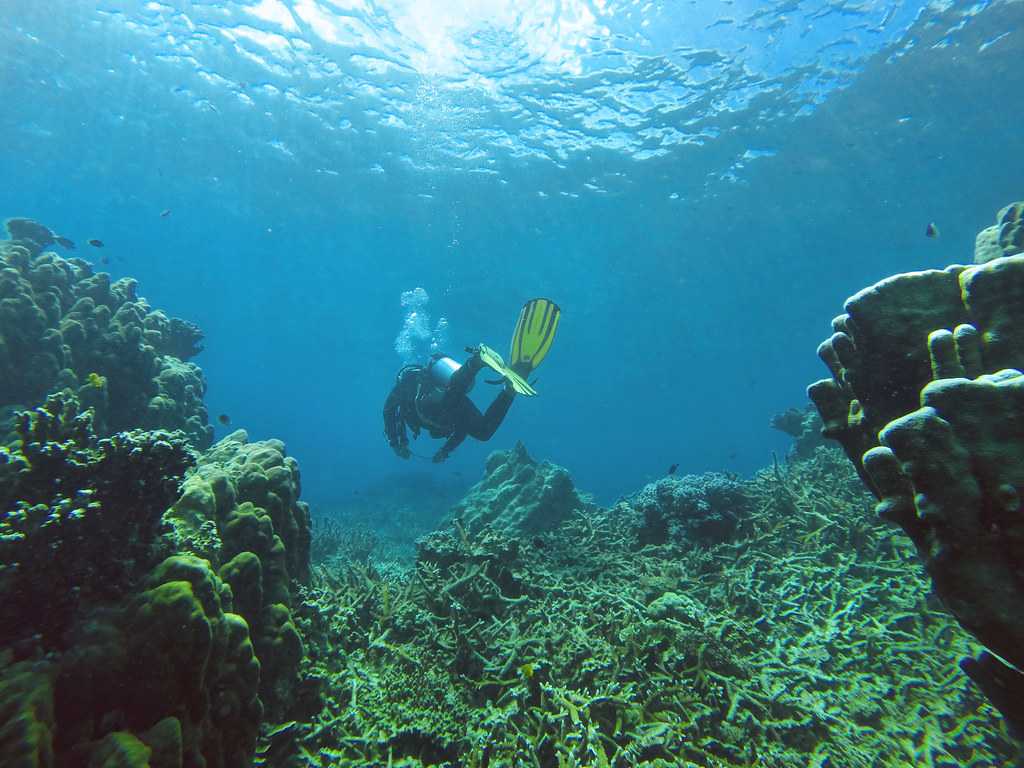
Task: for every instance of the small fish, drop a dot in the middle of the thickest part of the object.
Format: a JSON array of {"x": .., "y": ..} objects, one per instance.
[
  {"x": 165, "y": 213},
  {"x": 96, "y": 243},
  {"x": 65, "y": 242},
  {"x": 528, "y": 670},
  {"x": 224, "y": 419},
  {"x": 672, "y": 469},
  {"x": 931, "y": 230},
  {"x": 105, "y": 260},
  {"x": 96, "y": 380}
]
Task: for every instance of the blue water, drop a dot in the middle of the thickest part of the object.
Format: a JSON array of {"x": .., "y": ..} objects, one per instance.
[{"x": 699, "y": 186}]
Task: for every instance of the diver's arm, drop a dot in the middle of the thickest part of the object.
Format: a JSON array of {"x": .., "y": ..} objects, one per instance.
[
  {"x": 450, "y": 445},
  {"x": 394, "y": 425}
]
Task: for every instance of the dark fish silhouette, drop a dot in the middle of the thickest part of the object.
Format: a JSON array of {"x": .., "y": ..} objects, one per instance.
[
  {"x": 672, "y": 469},
  {"x": 931, "y": 230},
  {"x": 105, "y": 260},
  {"x": 224, "y": 419},
  {"x": 65, "y": 242},
  {"x": 165, "y": 213},
  {"x": 96, "y": 243}
]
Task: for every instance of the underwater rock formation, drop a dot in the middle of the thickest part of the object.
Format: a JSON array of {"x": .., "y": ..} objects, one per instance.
[
  {"x": 240, "y": 509},
  {"x": 1004, "y": 238},
  {"x": 64, "y": 326},
  {"x": 804, "y": 426},
  {"x": 878, "y": 354},
  {"x": 928, "y": 364},
  {"x": 519, "y": 496},
  {"x": 696, "y": 508}
]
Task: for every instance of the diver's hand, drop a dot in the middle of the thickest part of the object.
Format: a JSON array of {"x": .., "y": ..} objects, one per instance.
[{"x": 401, "y": 450}]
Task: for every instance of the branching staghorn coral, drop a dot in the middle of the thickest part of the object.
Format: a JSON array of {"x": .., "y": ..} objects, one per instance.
[{"x": 802, "y": 641}]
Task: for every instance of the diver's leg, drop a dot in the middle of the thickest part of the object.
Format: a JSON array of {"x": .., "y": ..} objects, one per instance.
[{"x": 488, "y": 422}]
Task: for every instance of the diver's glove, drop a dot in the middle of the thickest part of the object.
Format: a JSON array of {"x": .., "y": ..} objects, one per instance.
[{"x": 474, "y": 361}]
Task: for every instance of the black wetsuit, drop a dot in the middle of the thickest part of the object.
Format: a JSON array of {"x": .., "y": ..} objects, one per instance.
[{"x": 418, "y": 403}]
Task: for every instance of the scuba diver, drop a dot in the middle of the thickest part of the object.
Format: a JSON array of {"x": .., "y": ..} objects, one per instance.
[{"x": 435, "y": 396}]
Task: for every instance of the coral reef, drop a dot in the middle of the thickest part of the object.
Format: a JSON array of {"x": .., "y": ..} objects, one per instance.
[
  {"x": 64, "y": 326},
  {"x": 240, "y": 509},
  {"x": 878, "y": 354},
  {"x": 146, "y": 618},
  {"x": 804, "y": 426},
  {"x": 518, "y": 495},
  {"x": 694, "y": 508},
  {"x": 801, "y": 641},
  {"x": 81, "y": 517},
  {"x": 1004, "y": 238},
  {"x": 926, "y": 364}
]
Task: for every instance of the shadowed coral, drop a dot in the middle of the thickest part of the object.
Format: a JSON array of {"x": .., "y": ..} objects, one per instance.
[
  {"x": 82, "y": 516},
  {"x": 26, "y": 714},
  {"x": 171, "y": 671}
]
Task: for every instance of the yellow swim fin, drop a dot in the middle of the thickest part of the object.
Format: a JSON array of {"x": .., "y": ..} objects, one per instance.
[
  {"x": 534, "y": 335},
  {"x": 494, "y": 361}
]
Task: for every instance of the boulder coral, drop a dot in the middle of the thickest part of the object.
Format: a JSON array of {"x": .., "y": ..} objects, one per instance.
[
  {"x": 64, "y": 326},
  {"x": 694, "y": 508},
  {"x": 519, "y": 496},
  {"x": 240, "y": 508},
  {"x": 171, "y": 674}
]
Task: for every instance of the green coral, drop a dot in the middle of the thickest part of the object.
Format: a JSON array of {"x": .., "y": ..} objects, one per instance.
[
  {"x": 804, "y": 640},
  {"x": 240, "y": 508},
  {"x": 173, "y": 668}
]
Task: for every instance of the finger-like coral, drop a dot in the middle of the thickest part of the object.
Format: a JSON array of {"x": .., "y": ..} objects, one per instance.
[
  {"x": 240, "y": 508},
  {"x": 927, "y": 363},
  {"x": 879, "y": 356}
]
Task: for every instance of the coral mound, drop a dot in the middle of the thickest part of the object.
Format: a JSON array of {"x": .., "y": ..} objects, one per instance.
[
  {"x": 64, "y": 326},
  {"x": 519, "y": 495},
  {"x": 696, "y": 508},
  {"x": 240, "y": 509}
]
